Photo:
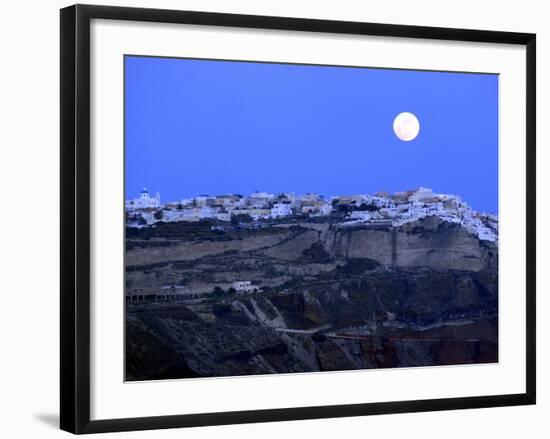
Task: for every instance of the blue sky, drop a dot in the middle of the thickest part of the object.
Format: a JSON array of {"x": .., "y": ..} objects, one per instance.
[{"x": 211, "y": 127}]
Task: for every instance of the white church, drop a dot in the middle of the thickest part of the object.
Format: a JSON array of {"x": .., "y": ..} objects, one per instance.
[{"x": 144, "y": 201}]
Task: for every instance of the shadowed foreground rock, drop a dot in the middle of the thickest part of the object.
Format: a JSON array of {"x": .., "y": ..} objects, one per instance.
[{"x": 347, "y": 319}]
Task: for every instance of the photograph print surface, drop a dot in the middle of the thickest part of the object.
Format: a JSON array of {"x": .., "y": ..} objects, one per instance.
[{"x": 287, "y": 218}]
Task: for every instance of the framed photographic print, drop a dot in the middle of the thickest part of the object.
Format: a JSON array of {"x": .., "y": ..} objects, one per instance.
[{"x": 272, "y": 218}]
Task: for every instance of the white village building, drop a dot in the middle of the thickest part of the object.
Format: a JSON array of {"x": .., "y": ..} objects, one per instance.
[
  {"x": 361, "y": 215},
  {"x": 243, "y": 286},
  {"x": 204, "y": 200},
  {"x": 325, "y": 209},
  {"x": 280, "y": 210},
  {"x": 144, "y": 201},
  {"x": 421, "y": 194},
  {"x": 260, "y": 200}
]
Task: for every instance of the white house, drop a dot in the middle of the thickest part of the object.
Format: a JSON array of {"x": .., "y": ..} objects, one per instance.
[
  {"x": 208, "y": 212},
  {"x": 281, "y": 209},
  {"x": 361, "y": 215},
  {"x": 311, "y": 197},
  {"x": 243, "y": 286},
  {"x": 422, "y": 193},
  {"x": 228, "y": 200},
  {"x": 389, "y": 212},
  {"x": 260, "y": 200},
  {"x": 290, "y": 196},
  {"x": 204, "y": 200},
  {"x": 144, "y": 201},
  {"x": 325, "y": 209}
]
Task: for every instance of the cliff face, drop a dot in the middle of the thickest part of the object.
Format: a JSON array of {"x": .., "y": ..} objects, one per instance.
[
  {"x": 333, "y": 298},
  {"x": 426, "y": 243},
  {"x": 429, "y": 243}
]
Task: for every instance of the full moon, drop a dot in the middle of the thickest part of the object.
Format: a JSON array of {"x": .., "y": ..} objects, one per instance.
[{"x": 406, "y": 126}]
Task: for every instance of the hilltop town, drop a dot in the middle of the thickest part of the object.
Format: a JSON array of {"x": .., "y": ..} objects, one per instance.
[{"x": 260, "y": 209}]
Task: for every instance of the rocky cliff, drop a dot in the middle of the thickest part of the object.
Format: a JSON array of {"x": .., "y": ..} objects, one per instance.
[{"x": 333, "y": 298}]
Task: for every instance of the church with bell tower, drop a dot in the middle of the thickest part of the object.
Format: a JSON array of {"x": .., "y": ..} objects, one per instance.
[{"x": 144, "y": 201}]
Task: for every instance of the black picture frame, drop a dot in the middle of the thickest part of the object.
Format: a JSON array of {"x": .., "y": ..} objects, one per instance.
[{"x": 75, "y": 218}]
